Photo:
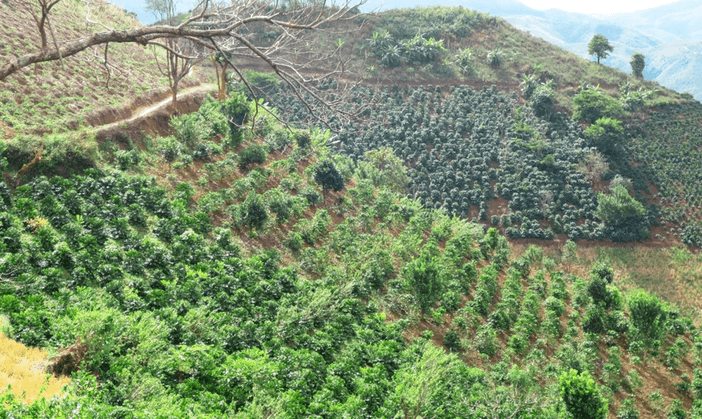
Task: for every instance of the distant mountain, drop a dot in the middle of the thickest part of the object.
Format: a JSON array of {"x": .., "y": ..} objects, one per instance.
[
  {"x": 680, "y": 20},
  {"x": 669, "y": 36}
]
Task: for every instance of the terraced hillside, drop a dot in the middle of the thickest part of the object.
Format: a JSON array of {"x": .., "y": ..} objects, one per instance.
[
  {"x": 260, "y": 274},
  {"x": 80, "y": 90},
  {"x": 375, "y": 265}
]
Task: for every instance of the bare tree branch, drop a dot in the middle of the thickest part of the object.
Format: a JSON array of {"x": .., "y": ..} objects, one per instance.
[{"x": 233, "y": 17}]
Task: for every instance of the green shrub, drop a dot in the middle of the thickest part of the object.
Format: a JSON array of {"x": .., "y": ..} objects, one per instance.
[
  {"x": 253, "y": 154},
  {"x": 542, "y": 101},
  {"x": 127, "y": 159},
  {"x": 592, "y": 104},
  {"x": 452, "y": 341},
  {"x": 190, "y": 129},
  {"x": 294, "y": 241},
  {"x": 624, "y": 216},
  {"x": 423, "y": 277},
  {"x": 327, "y": 175},
  {"x": 581, "y": 395},
  {"x": 647, "y": 314},
  {"x": 170, "y": 148},
  {"x": 607, "y": 135},
  {"x": 628, "y": 409},
  {"x": 252, "y": 212}
]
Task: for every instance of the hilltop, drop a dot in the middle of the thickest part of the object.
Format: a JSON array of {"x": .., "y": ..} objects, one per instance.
[{"x": 667, "y": 34}]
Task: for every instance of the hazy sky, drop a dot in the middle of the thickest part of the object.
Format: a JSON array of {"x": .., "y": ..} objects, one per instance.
[
  {"x": 595, "y": 6},
  {"x": 580, "y": 6}
]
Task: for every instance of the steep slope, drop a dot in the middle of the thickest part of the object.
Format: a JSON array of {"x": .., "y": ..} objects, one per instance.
[
  {"x": 657, "y": 33},
  {"x": 233, "y": 284},
  {"x": 239, "y": 267},
  {"x": 81, "y": 90}
]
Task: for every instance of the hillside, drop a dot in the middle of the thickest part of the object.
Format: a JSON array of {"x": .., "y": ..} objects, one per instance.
[
  {"x": 81, "y": 90},
  {"x": 667, "y": 35},
  {"x": 236, "y": 285},
  {"x": 491, "y": 226},
  {"x": 521, "y": 164}
]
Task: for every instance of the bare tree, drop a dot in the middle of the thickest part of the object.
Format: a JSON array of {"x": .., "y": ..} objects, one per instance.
[
  {"x": 180, "y": 54},
  {"x": 234, "y": 31},
  {"x": 39, "y": 10},
  {"x": 221, "y": 61}
]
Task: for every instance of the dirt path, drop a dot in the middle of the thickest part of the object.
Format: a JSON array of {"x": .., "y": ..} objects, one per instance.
[{"x": 146, "y": 110}]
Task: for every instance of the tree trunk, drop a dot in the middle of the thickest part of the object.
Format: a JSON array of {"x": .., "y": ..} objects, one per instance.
[
  {"x": 174, "y": 91},
  {"x": 222, "y": 93}
]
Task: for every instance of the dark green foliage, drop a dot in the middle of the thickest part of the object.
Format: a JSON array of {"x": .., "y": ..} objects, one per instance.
[
  {"x": 294, "y": 241},
  {"x": 593, "y": 322},
  {"x": 592, "y": 104},
  {"x": 420, "y": 50},
  {"x": 542, "y": 102},
  {"x": 494, "y": 58},
  {"x": 638, "y": 62},
  {"x": 581, "y": 395},
  {"x": 205, "y": 151},
  {"x": 628, "y": 410},
  {"x": 423, "y": 277},
  {"x": 253, "y": 154},
  {"x": 236, "y": 111},
  {"x": 452, "y": 341},
  {"x": 597, "y": 289},
  {"x": 392, "y": 56},
  {"x": 252, "y": 212},
  {"x": 190, "y": 129},
  {"x": 377, "y": 271},
  {"x": 602, "y": 270},
  {"x": 648, "y": 315},
  {"x": 127, "y": 159},
  {"x": 624, "y": 216},
  {"x": 327, "y": 175},
  {"x": 302, "y": 139},
  {"x": 171, "y": 149},
  {"x": 137, "y": 216},
  {"x": 607, "y": 135}
]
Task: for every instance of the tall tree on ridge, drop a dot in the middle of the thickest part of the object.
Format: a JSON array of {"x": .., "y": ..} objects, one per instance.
[{"x": 599, "y": 45}]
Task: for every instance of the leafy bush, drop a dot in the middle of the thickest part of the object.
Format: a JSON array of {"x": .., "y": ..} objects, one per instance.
[
  {"x": 581, "y": 395},
  {"x": 252, "y": 212},
  {"x": 127, "y": 159},
  {"x": 648, "y": 315},
  {"x": 607, "y": 135},
  {"x": 452, "y": 341},
  {"x": 542, "y": 101},
  {"x": 170, "y": 148},
  {"x": 423, "y": 277},
  {"x": 624, "y": 216},
  {"x": 592, "y": 104},
  {"x": 327, "y": 175},
  {"x": 190, "y": 129},
  {"x": 253, "y": 154},
  {"x": 494, "y": 58}
]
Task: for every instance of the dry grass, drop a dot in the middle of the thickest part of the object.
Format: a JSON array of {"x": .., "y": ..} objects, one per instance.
[{"x": 22, "y": 369}]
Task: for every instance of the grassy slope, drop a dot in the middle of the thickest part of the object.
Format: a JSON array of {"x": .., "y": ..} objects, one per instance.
[
  {"x": 58, "y": 97},
  {"x": 522, "y": 54}
]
